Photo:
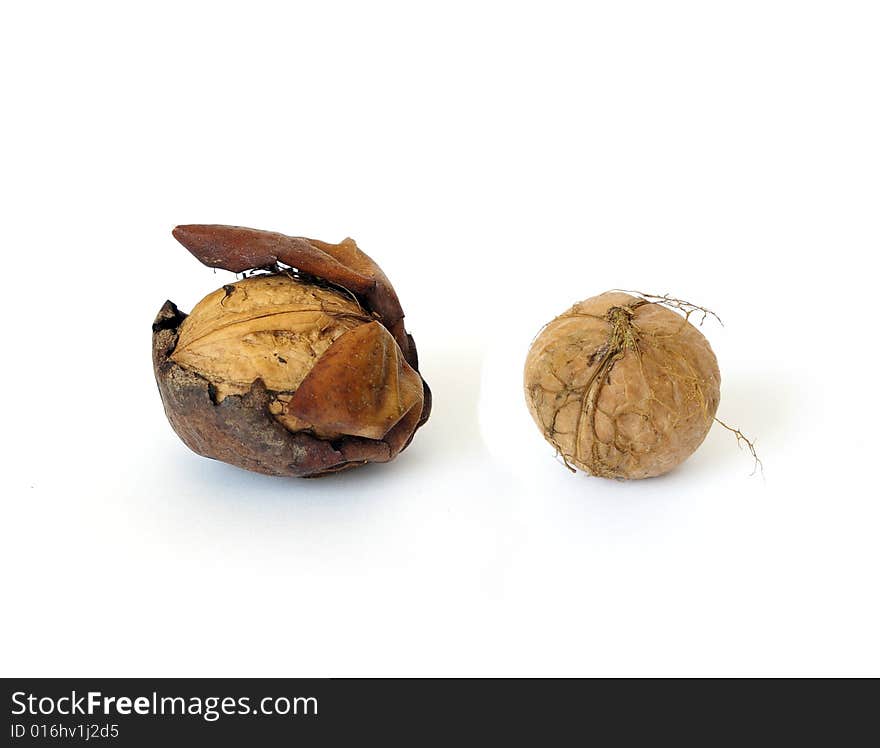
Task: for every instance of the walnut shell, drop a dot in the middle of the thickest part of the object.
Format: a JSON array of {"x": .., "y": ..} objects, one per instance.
[
  {"x": 288, "y": 373},
  {"x": 622, "y": 387}
]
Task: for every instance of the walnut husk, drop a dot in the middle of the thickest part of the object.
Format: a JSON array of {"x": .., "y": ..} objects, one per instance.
[
  {"x": 622, "y": 387},
  {"x": 286, "y": 372}
]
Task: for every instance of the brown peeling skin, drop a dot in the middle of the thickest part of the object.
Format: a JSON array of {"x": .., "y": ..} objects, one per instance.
[
  {"x": 239, "y": 249},
  {"x": 361, "y": 386},
  {"x": 362, "y": 398}
]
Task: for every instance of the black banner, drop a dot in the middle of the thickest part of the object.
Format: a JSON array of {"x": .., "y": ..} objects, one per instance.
[{"x": 135, "y": 712}]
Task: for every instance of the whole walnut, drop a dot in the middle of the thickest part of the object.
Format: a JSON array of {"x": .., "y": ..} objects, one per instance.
[
  {"x": 302, "y": 368},
  {"x": 621, "y": 386}
]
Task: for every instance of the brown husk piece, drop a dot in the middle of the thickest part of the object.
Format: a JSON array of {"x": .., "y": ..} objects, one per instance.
[
  {"x": 361, "y": 399},
  {"x": 360, "y": 386},
  {"x": 239, "y": 249}
]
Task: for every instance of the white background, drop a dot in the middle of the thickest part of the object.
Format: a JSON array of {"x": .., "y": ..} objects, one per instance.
[{"x": 500, "y": 161}]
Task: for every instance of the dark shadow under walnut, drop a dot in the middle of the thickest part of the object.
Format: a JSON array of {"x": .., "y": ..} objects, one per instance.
[{"x": 344, "y": 390}]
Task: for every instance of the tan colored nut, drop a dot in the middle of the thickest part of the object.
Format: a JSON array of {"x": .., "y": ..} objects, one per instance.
[
  {"x": 271, "y": 327},
  {"x": 622, "y": 387}
]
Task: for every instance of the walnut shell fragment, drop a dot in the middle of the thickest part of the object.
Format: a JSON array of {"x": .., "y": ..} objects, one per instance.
[
  {"x": 621, "y": 386},
  {"x": 302, "y": 368}
]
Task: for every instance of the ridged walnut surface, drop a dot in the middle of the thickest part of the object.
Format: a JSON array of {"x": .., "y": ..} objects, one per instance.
[
  {"x": 622, "y": 387},
  {"x": 271, "y": 327}
]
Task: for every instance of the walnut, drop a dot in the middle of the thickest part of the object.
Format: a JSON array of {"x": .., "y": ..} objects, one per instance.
[
  {"x": 303, "y": 368},
  {"x": 622, "y": 386}
]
